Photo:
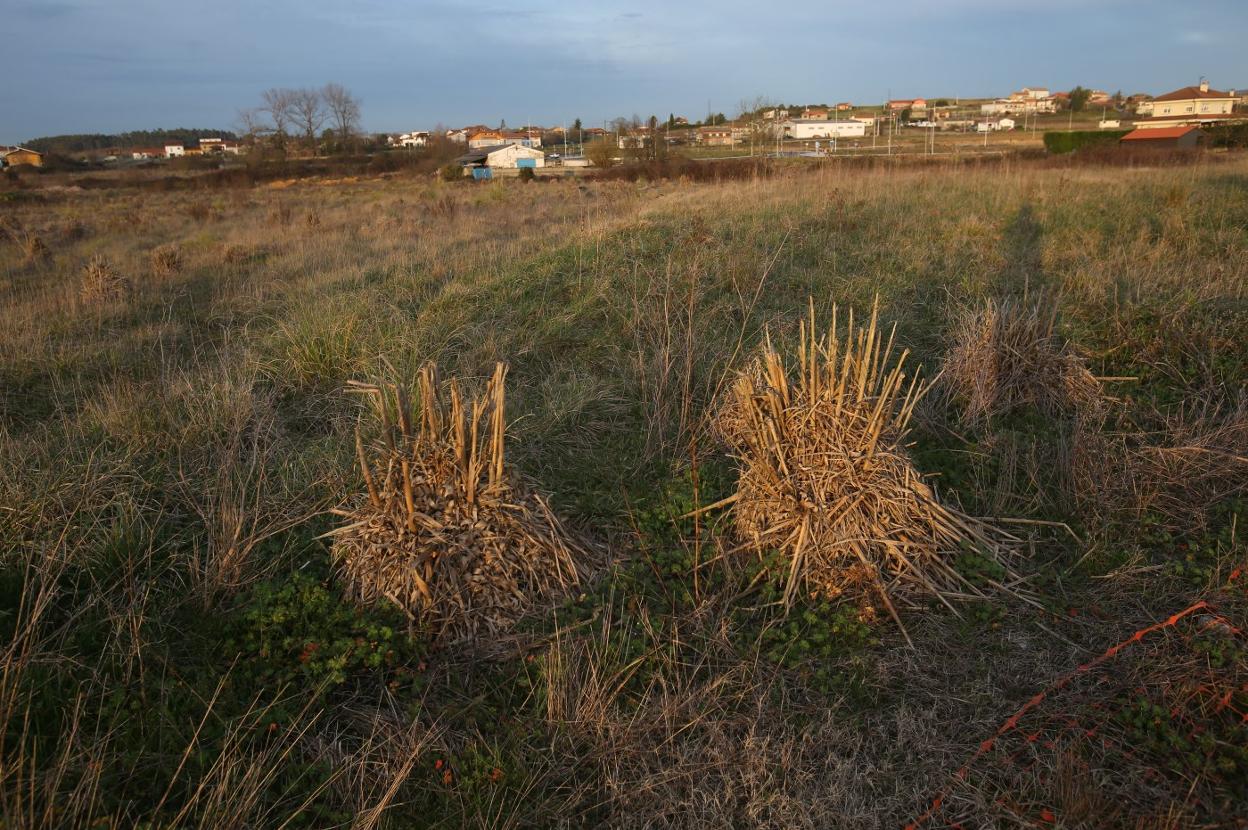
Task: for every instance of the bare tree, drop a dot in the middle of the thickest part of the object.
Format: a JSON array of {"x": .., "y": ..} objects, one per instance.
[
  {"x": 278, "y": 104},
  {"x": 760, "y": 129},
  {"x": 309, "y": 113},
  {"x": 344, "y": 110},
  {"x": 250, "y": 124}
]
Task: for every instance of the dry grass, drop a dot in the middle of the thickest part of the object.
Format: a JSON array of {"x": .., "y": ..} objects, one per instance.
[
  {"x": 34, "y": 250},
  {"x": 448, "y": 533},
  {"x": 1006, "y": 354},
  {"x": 825, "y": 476},
  {"x": 442, "y": 206},
  {"x": 1198, "y": 458}
]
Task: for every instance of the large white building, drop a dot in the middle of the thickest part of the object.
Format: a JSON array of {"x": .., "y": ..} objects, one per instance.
[
  {"x": 504, "y": 156},
  {"x": 803, "y": 129}
]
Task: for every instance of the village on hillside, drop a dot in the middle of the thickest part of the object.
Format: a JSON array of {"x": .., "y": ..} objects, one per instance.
[{"x": 1177, "y": 119}]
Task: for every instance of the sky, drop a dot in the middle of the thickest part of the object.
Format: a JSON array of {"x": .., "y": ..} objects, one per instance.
[{"x": 80, "y": 66}]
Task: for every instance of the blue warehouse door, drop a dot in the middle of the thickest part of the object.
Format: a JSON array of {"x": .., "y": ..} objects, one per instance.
[{"x": 526, "y": 163}]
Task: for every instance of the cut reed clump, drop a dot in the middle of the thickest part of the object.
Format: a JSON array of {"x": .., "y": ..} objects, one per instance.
[
  {"x": 1006, "y": 355},
  {"x": 825, "y": 477},
  {"x": 100, "y": 281},
  {"x": 166, "y": 260},
  {"x": 446, "y": 532}
]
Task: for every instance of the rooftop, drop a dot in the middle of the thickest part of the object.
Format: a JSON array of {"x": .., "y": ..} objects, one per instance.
[
  {"x": 1158, "y": 133},
  {"x": 1190, "y": 92}
]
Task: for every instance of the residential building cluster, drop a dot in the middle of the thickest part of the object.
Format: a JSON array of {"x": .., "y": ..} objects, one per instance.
[{"x": 1172, "y": 115}]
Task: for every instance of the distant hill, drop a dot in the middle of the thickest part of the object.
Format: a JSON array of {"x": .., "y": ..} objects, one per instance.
[{"x": 134, "y": 138}]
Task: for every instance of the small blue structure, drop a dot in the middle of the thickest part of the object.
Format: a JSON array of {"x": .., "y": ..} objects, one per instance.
[{"x": 481, "y": 173}]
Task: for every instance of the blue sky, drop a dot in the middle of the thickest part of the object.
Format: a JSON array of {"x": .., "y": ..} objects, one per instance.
[{"x": 71, "y": 66}]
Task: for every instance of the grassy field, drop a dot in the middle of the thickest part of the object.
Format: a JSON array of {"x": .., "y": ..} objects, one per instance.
[{"x": 175, "y": 426}]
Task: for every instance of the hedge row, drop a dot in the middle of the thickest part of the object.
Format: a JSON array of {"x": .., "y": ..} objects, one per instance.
[
  {"x": 1068, "y": 142},
  {"x": 1228, "y": 135}
]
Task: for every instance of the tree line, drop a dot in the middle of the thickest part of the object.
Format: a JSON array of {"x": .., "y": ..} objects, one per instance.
[{"x": 83, "y": 142}]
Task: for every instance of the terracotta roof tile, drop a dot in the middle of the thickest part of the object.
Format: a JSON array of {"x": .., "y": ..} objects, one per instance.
[
  {"x": 1190, "y": 92},
  {"x": 1158, "y": 133}
]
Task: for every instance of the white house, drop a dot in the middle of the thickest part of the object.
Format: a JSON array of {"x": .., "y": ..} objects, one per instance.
[
  {"x": 803, "y": 129},
  {"x": 989, "y": 125},
  {"x": 417, "y": 139},
  {"x": 174, "y": 151}
]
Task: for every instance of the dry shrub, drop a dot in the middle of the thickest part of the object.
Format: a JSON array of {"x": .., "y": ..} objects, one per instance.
[
  {"x": 1005, "y": 355},
  {"x": 166, "y": 260},
  {"x": 100, "y": 281},
  {"x": 447, "y": 532},
  {"x": 1198, "y": 458},
  {"x": 825, "y": 476},
  {"x": 312, "y": 219}
]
